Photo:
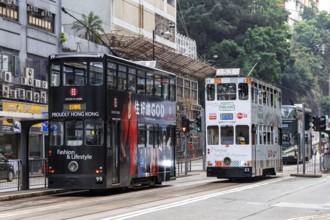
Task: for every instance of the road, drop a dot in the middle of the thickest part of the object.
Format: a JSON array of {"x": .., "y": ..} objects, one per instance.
[{"x": 192, "y": 197}]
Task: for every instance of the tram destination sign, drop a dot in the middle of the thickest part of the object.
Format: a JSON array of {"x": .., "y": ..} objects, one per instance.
[{"x": 228, "y": 72}]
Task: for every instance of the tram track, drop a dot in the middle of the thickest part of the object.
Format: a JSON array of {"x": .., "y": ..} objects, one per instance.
[{"x": 84, "y": 203}]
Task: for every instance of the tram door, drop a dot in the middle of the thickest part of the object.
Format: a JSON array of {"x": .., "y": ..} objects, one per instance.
[{"x": 115, "y": 144}]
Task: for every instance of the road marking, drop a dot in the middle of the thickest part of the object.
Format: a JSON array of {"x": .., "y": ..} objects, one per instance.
[
  {"x": 188, "y": 201},
  {"x": 312, "y": 217},
  {"x": 302, "y": 205}
]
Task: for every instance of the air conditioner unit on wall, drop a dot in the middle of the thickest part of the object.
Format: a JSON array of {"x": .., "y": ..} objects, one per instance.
[
  {"x": 12, "y": 94},
  {"x": 28, "y": 95},
  {"x": 8, "y": 77},
  {"x": 5, "y": 91},
  {"x": 44, "y": 84},
  {"x": 43, "y": 97},
  {"x": 29, "y": 73},
  {"x": 27, "y": 81},
  {"x": 37, "y": 83},
  {"x": 49, "y": 14},
  {"x": 36, "y": 97},
  {"x": 21, "y": 94}
]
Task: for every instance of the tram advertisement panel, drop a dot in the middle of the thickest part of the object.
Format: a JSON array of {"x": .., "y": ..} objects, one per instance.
[{"x": 147, "y": 108}]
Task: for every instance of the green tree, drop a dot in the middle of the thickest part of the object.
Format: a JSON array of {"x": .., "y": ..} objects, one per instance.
[{"x": 88, "y": 27}]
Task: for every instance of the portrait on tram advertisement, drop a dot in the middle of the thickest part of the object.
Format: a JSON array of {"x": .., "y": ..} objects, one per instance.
[{"x": 128, "y": 139}]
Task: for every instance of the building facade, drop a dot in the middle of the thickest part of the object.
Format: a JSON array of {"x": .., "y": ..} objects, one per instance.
[{"x": 29, "y": 32}]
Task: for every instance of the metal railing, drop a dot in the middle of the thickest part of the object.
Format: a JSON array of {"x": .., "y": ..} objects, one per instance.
[{"x": 37, "y": 175}]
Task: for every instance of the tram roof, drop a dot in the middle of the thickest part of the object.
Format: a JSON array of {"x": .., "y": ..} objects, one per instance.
[{"x": 100, "y": 55}]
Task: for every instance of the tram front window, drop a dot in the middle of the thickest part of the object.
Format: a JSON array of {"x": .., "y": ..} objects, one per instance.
[
  {"x": 55, "y": 75},
  {"x": 96, "y": 73},
  {"x": 74, "y": 133},
  {"x": 94, "y": 132},
  {"x": 74, "y": 74},
  {"x": 242, "y": 134},
  {"x": 226, "y": 91},
  {"x": 56, "y": 135},
  {"x": 227, "y": 135}
]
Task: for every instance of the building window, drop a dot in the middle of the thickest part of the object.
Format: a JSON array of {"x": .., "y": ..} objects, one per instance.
[
  {"x": 9, "y": 9},
  {"x": 40, "y": 18},
  {"x": 171, "y": 2},
  {"x": 9, "y": 61}
]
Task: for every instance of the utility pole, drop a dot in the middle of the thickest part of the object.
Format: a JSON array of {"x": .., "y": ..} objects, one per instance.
[{"x": 302, "y": 138}]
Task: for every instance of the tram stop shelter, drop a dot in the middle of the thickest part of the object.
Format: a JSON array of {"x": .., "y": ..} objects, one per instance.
[{"x": 27, "y": 120}]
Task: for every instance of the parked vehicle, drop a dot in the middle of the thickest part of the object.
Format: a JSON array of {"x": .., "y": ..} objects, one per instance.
[{"x": 6, "y": 169}]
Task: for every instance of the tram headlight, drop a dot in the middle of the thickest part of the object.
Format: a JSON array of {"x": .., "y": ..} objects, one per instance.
[
  {"x": 73, "y": 166},
  {"x": 227, "y": 161}
]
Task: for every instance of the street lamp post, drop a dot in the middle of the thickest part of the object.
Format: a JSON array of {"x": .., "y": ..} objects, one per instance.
[{"x": 153, "y": 44}]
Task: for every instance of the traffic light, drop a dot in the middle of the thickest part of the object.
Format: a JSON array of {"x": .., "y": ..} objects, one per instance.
[
  {"x": 199, "y": 123},
  {"x": 185, "y": 125},
  {"x": 308, "y": 119},
  {"x": 316, "y": 123},
  {"x": 323, "y": 123}
]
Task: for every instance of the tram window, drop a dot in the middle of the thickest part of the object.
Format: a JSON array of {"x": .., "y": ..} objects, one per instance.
[
  {"x": 242, "y": 134},
  {"x": 172, "y": 89},
  {"x": 227, "y": 135},
  {"x": 131, "y": 83},
  {"x": 74, "y": 132},
  {"x": 55, "y": 75},
  {"x": 243, "y": 91},
  {"x": 165, "y": 88},
  {"x": 141, "y": 82},
  {"x": 260, "y": 93},
  {"x": 226, "y": 91},
  {"x": 141, "y": 135},
  {"x": 157, "y": 86},
  {"x": 150, "y": 136},
  {"x": 96, "y": 73},
  {"x": 94, "y": 132},
  {"x": 271, "y": 135},
  {"x": 150, "y": 84},
  {"x": 56, "y": 135},
  {"x": 210, "y": 90},
  {"x": 73, "y": 76},
  {"x": 111, "y": 76},
  {"x": 122, "y": 78},
  {"x": 264, "y": 96},
  {"x": 212, "y": 135}
]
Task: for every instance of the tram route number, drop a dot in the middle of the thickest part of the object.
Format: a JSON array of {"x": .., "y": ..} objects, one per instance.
[{"x": 99, "y": 179}]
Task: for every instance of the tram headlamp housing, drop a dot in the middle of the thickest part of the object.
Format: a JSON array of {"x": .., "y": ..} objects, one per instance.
[
  {"x": 227, "y": 161},
  {"x": 73, "y": 166}
]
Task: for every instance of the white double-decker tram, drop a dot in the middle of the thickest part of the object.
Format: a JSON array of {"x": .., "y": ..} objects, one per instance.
[{"x": 243, "y": 122}]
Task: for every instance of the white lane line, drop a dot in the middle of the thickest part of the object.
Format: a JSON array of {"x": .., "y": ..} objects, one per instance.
[
  {"x": 188, "y": 201},
  {"x": 301, "y": 205}
]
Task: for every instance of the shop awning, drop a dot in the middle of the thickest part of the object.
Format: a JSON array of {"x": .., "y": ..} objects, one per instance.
[{"x": 140, "y": 48}]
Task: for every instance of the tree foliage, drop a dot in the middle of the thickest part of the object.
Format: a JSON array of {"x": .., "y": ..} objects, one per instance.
[
  {"x": 240, "y": 33},
  {"x": 89, "y": 27}
]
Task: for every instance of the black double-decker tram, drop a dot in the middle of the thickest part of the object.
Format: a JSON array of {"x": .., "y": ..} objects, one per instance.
[{"x": 111, "y": 122}]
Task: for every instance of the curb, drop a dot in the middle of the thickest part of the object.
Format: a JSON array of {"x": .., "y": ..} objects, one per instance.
[
  {"x": 27, "y": 194},
  {"x": 307, "y": 175}
]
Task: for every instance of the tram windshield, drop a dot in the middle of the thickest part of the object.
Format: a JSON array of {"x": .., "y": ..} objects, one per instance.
[{"x": 289, "y": 112}]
